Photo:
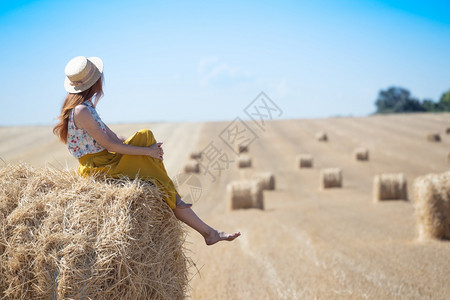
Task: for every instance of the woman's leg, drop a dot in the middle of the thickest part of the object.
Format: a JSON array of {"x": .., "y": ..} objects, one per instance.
[{"x": 187, "y": 215}]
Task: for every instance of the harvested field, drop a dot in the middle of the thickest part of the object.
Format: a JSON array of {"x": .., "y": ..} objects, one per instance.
[{"x": 306, "y": 243}]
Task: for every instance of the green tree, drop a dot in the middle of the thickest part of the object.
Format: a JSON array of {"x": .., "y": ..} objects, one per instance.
[
  {"x": 397, "y": 100},
  {"x": 431, "y": 106},
  {"x": 444, "y": 102}
]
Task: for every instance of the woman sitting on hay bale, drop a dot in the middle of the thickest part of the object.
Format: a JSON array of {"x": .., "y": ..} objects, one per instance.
[{"x": 100, "y": 151}]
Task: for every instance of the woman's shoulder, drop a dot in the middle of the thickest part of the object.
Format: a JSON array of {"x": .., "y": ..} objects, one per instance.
[
  {"x": 83, "y": 108},
  {"x": 84, "y": 114},
  {"x": 80, "y": 109}
]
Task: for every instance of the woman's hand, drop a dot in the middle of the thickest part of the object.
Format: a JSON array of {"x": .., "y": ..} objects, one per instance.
[{"x": 156, "y": 151}]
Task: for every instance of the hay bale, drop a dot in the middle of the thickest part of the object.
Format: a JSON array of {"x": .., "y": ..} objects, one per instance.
[
  {"x": 433, "y": 137},
  {"x": 196, "y": 155},
  {"x": 244, "y": 161},
  {"x": 389, "y": 187},
  {"x": 242, "y": 148},
  {"x": 321, "y": 136},
  {"x": 192, "y": 166},
  {"x": 267, "y": 180},
  {"x": 245, "y": 194},
  {"x": 361, "y": 154},
  {"x": 67, "y": 237},
  {"x": 447, "y": 131},
  {"x": 305, "y": 161},
  {"x": 331, "y": 177},
  {"x": 432, "y": 206}
]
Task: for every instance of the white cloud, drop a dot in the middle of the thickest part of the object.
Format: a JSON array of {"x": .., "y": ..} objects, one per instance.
[
  {"x": 205, "y": 63},
  {"x": 216, "y": 72},
  {"x": 280, "y": 88}
]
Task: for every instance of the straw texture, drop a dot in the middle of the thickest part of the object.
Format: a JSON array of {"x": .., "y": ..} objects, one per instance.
[
  {"x": 192, "y": 166},
  {"x": 321, "y": 136},
  {"x": 433, "y": 137},
  {"x": 432, "y": 206},
  {"x": 304, "y": 161},
  {"x": 242, "y": 148},
  {"x": 331, "y": 177},
  {"x": 266, "y": 179},
  {"x": 389, "y": 187},
  {"x": 361, "y": 154},
  {"x": 67, "y": 237},
  {"x": 244, "y": 161},
  {"x": 245, "y": 194},
  {"x": 196, "y": 155}
]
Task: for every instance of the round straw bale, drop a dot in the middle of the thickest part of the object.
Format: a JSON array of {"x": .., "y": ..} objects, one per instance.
[
  {"x": 244, "y": 161},
  {"x": 389, "y": 187},
  {"x": 304, "y": 161},
  {"x": 361, "y": 153},
  {"x": 267, "y": 180},
  {"x": 196, "y": 155},
  {"x": 245, "y": 194},
  {"x": 67, "y": 237},
  {"x": 192, "y": 166},
  {"x": 433, "y": 137},
  {"x": 321, "y": 136},
  {"x": 242, "y": 148},
  {"x": 331, "y": 177},
  {"x": 432, "y": 206}
]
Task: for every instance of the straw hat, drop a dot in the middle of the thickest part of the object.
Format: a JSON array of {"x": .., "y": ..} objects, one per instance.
[{"x": 82, "y": 73}]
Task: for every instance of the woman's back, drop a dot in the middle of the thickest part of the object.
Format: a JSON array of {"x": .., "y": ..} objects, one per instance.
[{"x": 79, "y": 141}]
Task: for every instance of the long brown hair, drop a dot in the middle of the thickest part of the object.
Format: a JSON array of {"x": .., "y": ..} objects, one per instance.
[{"x": 94, "y": 93}]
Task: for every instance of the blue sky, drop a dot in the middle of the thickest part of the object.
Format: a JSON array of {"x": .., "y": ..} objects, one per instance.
[{"x": 206, "y": 60}]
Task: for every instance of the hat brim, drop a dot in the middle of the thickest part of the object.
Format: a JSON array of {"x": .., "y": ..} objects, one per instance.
[{"x": 98, "y": 63}]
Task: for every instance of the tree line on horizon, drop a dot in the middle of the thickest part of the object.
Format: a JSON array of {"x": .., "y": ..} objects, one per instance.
[{"x": 399, "y": 100}]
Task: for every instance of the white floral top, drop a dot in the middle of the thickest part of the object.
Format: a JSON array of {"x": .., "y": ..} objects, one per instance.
[{"x": 79, "y": 141}]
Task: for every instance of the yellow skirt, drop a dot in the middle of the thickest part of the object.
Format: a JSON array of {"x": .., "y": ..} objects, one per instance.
[{"x": 117, "y": 165}]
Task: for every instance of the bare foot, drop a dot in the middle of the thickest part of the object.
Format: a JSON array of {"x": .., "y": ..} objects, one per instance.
[{"x": 217, "y": 236}]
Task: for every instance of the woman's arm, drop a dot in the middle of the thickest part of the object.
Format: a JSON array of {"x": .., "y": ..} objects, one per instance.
[
  {"x": 113, "y": 135},
  {"x": 84, "y": 119}
]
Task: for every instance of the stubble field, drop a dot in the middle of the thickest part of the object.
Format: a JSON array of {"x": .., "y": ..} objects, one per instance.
[{"x": 307, "y": 243}]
